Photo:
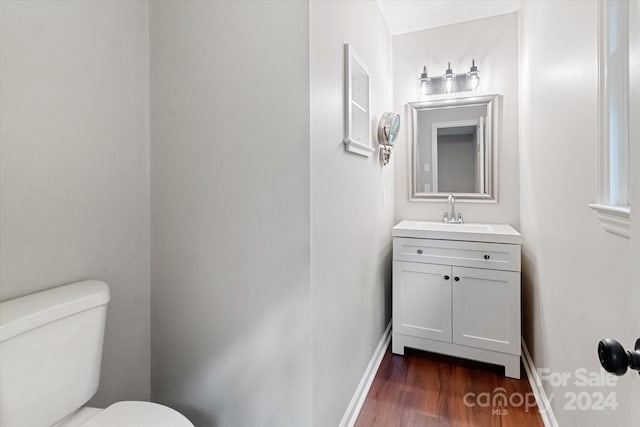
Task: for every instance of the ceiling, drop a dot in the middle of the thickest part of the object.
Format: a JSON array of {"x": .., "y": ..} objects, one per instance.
[{"x": 404, "y": 16}]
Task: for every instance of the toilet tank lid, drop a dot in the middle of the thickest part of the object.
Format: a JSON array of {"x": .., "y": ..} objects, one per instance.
[{"x": 25, "y": 313}]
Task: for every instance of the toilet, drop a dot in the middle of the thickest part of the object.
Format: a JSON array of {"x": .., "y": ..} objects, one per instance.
[{"x": 50, "y": 355}]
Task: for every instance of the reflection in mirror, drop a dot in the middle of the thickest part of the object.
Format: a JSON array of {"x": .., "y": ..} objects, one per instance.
[
  {"x": 454, "y": 141},
  {"x": 457, "y": 159}
]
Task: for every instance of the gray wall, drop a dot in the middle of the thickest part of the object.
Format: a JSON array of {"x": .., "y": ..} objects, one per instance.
[
  {"x": 74, "y": 150},
  {"x": 231, "y": 340},
  {"x": 351, "y": 220},
  {"x": 578, "y": 283},
  {"x": 457, "y": 163},
  {"x": 493, "y": 43}
]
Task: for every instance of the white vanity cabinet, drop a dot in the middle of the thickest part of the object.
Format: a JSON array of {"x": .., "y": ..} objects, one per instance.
[{"x": 458, "y": 297}]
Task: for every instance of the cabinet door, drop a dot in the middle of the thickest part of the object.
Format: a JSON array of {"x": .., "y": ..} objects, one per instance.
[
  {"x": 422, "y": 300},
  {"x": 486, "y": 309}
]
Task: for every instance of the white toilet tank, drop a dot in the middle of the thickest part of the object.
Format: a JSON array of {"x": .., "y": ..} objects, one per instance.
[{"x": 50, "y": 352}]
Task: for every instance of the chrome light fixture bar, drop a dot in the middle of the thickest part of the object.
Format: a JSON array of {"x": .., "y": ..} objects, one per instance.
[{"x": 449, "y": 83}]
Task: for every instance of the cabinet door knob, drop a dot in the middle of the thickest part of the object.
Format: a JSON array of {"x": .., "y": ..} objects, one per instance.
[
  {"x": 419, "y": 251},
  {"x": 487, "y": 257},
  {"x": 446, "y": 277},
  {"x": 457, "y": 279}
]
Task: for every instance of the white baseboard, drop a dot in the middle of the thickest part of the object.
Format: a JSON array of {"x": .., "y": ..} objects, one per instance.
[
  {"x": 353, "y": 410},
  {"x": 548, "y": 417}
]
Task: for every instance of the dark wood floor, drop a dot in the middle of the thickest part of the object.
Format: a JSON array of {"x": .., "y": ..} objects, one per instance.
[{"x": 425, "y": 389}]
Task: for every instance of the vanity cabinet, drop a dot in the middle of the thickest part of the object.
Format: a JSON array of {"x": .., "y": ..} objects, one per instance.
[{"x": 460, "y": 298}]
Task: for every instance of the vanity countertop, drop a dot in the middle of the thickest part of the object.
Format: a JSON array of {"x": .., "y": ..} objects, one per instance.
[{"x": 491, "y": 233}]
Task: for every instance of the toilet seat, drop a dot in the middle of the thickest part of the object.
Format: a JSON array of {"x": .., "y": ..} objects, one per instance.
[{"x": 138, "y": 414}]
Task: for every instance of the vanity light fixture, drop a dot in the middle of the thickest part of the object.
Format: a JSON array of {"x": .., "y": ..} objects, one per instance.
[
  {"x": 424, "y": 83},
  {"x": 388, "y": 129},
  {"x": 473, "y": 77},
  {"x": 448, "y": 83},
  {"x": 449, "y": 80}
]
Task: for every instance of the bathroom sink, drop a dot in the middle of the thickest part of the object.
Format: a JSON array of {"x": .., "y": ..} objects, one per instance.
[{"x": 492, "y": 233}]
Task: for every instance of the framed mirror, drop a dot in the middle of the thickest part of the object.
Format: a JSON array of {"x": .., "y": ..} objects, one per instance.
[{"x": 454, "y": 145}]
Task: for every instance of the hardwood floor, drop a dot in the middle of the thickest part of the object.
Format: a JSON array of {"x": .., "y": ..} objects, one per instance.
[{"x": 425, "y": 389}]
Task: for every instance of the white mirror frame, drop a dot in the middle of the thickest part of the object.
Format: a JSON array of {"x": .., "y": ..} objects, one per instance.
[
  {"x": 363, "y": 148},
  {"x": 492, "y": 139}
]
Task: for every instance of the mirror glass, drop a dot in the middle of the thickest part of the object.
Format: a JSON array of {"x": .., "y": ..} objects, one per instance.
[
  {"x": 454, "y": 141},
  {"x": 393, "y": 130},
  {"x": 388, "y": 128}
]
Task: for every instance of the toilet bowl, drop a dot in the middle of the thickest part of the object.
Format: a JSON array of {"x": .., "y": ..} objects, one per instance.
[
  {"x": 51, "y": 347},
  {"x": 126, "y": 413}
]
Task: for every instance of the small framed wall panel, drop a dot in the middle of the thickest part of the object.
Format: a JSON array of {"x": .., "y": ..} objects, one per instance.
[{"x": 357, "y": 103}]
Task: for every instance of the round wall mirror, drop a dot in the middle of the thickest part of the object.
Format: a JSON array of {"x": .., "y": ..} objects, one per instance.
[{"x": 388, "y": 128}]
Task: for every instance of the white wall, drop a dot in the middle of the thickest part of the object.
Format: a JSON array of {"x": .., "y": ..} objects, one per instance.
[
  {"x": 231, "y": 338},
  {"x": 577, "y": 284},
  {"x": 350, "y": 226},
  {"x": 74, "y": 150},
  {"x": 493, "y": 43}
]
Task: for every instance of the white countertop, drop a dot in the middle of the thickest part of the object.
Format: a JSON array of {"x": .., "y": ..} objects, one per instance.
[{"x": 491, "y": 233}]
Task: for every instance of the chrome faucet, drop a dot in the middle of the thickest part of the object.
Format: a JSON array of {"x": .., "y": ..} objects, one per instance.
[{"x": 452, "y": 217}]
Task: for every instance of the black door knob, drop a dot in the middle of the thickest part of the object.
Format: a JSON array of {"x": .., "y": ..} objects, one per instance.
[
  {"x": 419, "y": 251},
  {"x": 457, "y": 279},
  {"x": 615, "y": 360},
  {"x": 487, "y": 257},
  {"x": 446, "y": 277}
]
